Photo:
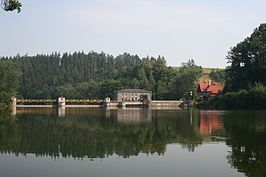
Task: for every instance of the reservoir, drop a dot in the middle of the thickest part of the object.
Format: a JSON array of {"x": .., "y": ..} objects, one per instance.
[{"x": 132, "y": 142}]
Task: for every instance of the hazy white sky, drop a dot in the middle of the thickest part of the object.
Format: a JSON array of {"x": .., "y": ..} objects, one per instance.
[{"x": 203, "y": 30}]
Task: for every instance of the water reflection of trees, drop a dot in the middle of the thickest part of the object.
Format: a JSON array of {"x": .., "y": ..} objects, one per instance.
[
  {"x": 96, "y": 133},
  {"x": 247, "y": 132},
  {"x": 8, "y": 131}
]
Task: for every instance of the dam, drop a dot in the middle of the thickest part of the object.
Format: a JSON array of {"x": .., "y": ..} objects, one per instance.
[{"x": 107, "y": 103}]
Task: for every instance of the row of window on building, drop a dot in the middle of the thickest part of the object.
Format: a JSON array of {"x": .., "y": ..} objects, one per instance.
[
  {"x": 130, "y": 99},
  {"x": 133, "y": 95}
]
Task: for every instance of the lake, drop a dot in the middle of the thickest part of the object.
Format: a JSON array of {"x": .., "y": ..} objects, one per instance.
[{"x": 84, "y": 142}]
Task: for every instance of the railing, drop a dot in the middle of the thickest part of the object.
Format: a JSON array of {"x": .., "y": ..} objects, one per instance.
[
  {"x": 84, "y": 101},
  {"x": 55, "y": 101},
  {"x": 36, "y": 101}
]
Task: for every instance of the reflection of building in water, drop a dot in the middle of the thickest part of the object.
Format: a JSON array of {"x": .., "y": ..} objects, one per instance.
[
  {"x": 210, "y": 122},
  {"x": 134, "y": 116},
  {"x": 61, "y": 111},
  {"x": 107, "y": 113}
]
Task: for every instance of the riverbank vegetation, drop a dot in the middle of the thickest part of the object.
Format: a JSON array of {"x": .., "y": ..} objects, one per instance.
[{"x": 252, "y": 98}]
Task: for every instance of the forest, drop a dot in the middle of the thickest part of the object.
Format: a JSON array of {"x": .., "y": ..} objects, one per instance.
[{"x": 94, "y": 76}]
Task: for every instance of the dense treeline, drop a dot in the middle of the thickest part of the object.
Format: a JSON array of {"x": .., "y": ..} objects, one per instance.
[
  {"x": 98, "y": 75},
  {"x": 9, "y": 81}
]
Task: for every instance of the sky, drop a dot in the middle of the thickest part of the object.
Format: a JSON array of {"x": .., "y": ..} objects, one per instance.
[{"x": 179, "y": 30}]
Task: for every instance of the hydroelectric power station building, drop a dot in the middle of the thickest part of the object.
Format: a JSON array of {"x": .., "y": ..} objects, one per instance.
[{"x": 133, "y": 95}]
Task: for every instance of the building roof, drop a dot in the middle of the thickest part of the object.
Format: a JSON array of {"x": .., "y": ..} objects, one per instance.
[
  {"x": 133, "y": 91},
  {"x": 215, "y": 89},
  {"x": 203, "y": 86},
  {"x": 210, "y": 87}
]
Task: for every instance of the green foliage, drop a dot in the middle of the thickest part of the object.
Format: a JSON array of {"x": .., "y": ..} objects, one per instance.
[
  {"x": 217, "y": 75},
  {"x": 109, "y": 87},
  {"x": 9, "y": 81},
  {"x": 11, "y": 5},
  {"x": 248, "y": 61},
  {"x": 185, "y": 80}
]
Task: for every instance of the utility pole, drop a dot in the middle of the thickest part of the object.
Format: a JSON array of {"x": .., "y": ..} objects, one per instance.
[{"x": 190, "y": 96}]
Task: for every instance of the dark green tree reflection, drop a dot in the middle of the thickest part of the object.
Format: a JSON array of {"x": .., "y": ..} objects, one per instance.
[
  {"x": 247, "y": 132},
  {"x": 87, "y": 133},
  {"x": 8, "y": 131},
  {"x": 97, "y": 133}
]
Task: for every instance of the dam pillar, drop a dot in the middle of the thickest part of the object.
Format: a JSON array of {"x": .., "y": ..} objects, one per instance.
[
  {"x": 107, "y": 102},
  {"x": 61, "y": 102},
  {"x": 13, "y": 105}
]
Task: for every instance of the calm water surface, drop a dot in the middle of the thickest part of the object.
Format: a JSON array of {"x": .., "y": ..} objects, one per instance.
[{"x": 132, "y": 142}]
